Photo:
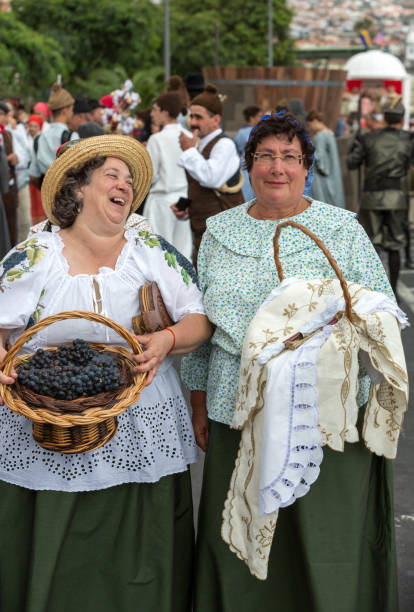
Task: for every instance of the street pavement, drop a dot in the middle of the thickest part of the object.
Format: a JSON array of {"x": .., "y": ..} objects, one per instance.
[{"x": 403, "y": 465}]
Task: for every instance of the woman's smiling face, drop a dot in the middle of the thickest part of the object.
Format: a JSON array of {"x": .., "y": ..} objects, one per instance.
[
  {"x": 108, "y": 196},
  {"x": 276, "y": 184}
]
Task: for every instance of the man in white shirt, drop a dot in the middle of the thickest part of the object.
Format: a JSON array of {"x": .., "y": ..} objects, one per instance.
[
  {"x": 169, "y": 183},
  {"x": 211, "y": 162},
  {"x": 61, "y": 104}
]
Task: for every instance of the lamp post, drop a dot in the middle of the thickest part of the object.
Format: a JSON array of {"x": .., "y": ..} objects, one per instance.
[
  {"x": 270, "y": 33},
  {"x": 217, "y": 46},
  {"x": 167, "y": 59}
]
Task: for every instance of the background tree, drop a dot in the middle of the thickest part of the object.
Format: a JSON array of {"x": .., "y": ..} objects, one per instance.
[
  {"x": 148, "y": 83},
  {"x": 365, "y": 24},
  {"x": 243, "y": 33},
  {"x": 98, "y": 33},
  {"x": 96, "y": 44},
  {"x": 29, "y": 61}
]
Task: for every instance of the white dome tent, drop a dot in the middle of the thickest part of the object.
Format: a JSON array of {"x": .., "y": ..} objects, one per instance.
[{"x": 370, "y": 67}]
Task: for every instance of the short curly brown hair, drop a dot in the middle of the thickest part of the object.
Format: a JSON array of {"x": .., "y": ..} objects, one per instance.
[{"x": 272, "y": 125}]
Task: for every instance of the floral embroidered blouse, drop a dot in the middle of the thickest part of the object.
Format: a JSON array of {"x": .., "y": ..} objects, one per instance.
[
  {"x": 237, "y": 271},
  {"x": 154, "y": 436}
]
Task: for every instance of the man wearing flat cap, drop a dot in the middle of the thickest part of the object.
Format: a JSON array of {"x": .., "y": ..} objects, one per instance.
[
  {"x": 211, "y": 162},
  {"x": 387, "y": 155}
]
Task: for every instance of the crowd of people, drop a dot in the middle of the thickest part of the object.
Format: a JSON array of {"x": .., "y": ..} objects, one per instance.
[{"x": 98, "y": 198}]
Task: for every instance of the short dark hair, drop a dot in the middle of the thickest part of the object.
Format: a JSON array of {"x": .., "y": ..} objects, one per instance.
[
  {"x": 274, "y": 125},
  {"x": 68, "y": 204},
  {"x": 170, "y": 102},
  {"x": 57, "y": 111},
  {"x": 251, "y": 111},
  {"x": 314, "y": 114}
]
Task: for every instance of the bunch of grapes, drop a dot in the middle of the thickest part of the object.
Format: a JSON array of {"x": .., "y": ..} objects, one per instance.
[{"x": 70, "y": 372}]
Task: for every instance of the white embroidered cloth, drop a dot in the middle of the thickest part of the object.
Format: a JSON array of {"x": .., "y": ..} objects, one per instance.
[{"x": 292, "y": 402}]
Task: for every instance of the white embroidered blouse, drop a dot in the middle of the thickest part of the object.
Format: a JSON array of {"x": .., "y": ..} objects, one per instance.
[{"x": 154, "y": 436}]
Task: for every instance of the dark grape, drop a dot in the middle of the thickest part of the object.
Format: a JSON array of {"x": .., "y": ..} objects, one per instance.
[{"x": 72, "y": 371}]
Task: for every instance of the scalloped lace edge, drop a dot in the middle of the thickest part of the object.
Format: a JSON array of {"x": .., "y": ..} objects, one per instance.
[{"x": 301, "y": 464}]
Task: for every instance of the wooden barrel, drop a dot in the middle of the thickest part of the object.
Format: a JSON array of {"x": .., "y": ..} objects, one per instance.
[{"x": 319, "y": 89}]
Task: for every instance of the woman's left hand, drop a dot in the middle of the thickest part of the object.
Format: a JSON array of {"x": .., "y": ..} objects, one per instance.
[
  {"x": 6, "y": 380},
  {"x": 156, "y": 347}
]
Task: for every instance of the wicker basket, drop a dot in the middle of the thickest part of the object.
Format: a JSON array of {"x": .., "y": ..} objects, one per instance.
[
  {"x": 83, "y": 424},
  {"x": 324, "y": 249}
]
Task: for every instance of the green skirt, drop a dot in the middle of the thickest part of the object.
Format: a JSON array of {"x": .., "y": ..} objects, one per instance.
[
  {"x": 128, "y": 548},
  {"x": 333, "y": 549}
]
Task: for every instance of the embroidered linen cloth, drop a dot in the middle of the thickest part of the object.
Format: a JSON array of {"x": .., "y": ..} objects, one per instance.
[{"x": 291, "y": 403}]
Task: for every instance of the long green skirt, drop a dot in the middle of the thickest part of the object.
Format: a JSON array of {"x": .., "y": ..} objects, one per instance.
[
  {"x": 124, "y": 549},
  {"x": 333, "y": 549}
]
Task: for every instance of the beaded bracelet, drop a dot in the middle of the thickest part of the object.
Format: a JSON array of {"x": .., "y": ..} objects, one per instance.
[{"x": 173, "y": 344}]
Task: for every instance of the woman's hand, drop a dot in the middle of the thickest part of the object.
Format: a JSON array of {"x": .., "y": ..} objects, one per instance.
[
  {"x": 198, "y": 401},
  {"x": 183, "y": 337},
  {"x": 6, "y": 380},
  {"x": 156, "y": 347}
]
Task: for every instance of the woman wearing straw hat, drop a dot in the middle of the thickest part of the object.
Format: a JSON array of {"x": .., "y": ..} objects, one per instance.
[{"x": 69, "y": 538}]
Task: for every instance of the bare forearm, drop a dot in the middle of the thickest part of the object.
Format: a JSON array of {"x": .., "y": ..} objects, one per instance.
[
  {"x": 200, "y": 417},
  {"x": 190, "y": 333}
]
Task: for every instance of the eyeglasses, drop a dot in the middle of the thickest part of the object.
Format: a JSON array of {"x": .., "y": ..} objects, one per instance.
[{"x": 267, "y": 159}]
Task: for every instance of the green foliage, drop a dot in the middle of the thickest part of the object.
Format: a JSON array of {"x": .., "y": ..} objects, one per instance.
[
  {"x": 97, "y": 44},
  {"x": 364, "y": 24},
  {"x": 98, "y": 33},
  {"x": 99, "y": 82},
  {"x": 149, "y": 84},
  {"x": 242, "y": 28},
  {"x": 29, "y": 61}
]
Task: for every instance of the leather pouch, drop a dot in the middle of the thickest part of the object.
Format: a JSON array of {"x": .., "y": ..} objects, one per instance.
[{"x": 154, "y": 315}]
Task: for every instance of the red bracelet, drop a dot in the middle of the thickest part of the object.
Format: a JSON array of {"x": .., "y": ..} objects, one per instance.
[{"x": 173, "y": 344}]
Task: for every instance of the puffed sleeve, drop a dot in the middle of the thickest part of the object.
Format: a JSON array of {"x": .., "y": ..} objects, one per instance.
[
  {"x": 194, "y": 367},
  {"x": 23, "y": 276},
  {"x": 173, "y": 273}
]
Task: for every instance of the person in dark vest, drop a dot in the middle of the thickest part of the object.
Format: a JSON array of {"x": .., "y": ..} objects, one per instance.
[
  {"x": 9, "y": 188},
  {"x": 387, "y": 155},
  {"x": 212, "y": 165}
]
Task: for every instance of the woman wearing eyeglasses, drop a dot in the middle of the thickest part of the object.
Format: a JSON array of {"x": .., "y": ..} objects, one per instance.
[{"x": 329, "y": 548}]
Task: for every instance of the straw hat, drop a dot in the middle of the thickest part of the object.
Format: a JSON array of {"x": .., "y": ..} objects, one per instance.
[{"x": 125, "y": 148}]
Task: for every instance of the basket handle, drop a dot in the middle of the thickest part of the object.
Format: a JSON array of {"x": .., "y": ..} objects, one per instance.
[
  {"x": 320, "y": 244},
  {"x": 62, "y": 316}
]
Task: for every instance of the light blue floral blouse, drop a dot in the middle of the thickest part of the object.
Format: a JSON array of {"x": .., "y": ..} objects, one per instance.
[{"x": 237, "y": 271}]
